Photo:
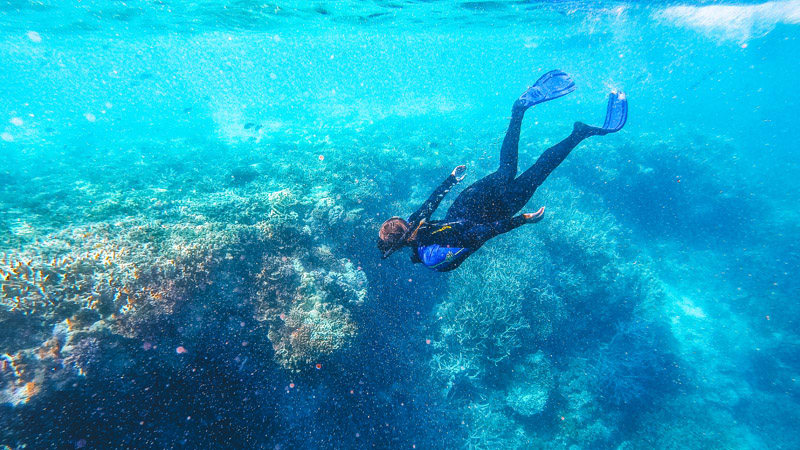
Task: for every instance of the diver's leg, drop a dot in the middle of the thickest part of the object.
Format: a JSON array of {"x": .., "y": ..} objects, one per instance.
[
  {"x": 509, "y": 153},
  {"x": 483, "y": 200},
  {"x": 525, "y": 185},
  {"x": 550, "y": 86}
]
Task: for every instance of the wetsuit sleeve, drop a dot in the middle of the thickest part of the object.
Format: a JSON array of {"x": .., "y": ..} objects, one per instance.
[
  {"x": 426, "y": 210},
  {"x": 476, "y": 235}
]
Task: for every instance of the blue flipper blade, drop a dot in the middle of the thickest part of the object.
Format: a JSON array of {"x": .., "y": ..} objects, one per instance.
[
  {"x": 552, "y": 85},
  {"x": 616, "y": 113}
]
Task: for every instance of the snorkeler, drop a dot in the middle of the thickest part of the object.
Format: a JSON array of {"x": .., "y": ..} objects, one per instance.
[{"x": 487, "y": 207}]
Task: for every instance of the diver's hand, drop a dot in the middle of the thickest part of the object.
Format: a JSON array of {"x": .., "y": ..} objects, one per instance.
[
  {"x": 459, "y": 172},
  {"x": 534, "y": 217}
]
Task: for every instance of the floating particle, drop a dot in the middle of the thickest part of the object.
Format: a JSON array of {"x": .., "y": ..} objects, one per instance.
[
  {"x": 34, "y": 36},
  {"x": 767, "y": 317},
  {"x": 322, "y": 157},
  {"x": 6, "y": 137},
  {"x": 16, "y": 121},
  {"x": 273, "y": 76},
  {"x": 291, "y": 385},
  {"x": 108, "y": 105},
  {"x": 318, "y": 366},
  {"x": 147, "y": 346},
  {"x": 744, "y": 45},
  {"x": 80, "y": 443},
  {"x": 90, "y": 117},
  {"x": 181, "y": 350},
  {"x": 428, "y": 341}
]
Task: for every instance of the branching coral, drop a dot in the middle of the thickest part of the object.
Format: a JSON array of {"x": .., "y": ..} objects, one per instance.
[
  {"x": 489, "y": 427},
  {"x": 479, "y": 328},
  {"x": 281, "y": 203},
  {"x": 531, "y": 385},
  {"x": 36, "y": 284},
  {"x": 570, "y": 280}
]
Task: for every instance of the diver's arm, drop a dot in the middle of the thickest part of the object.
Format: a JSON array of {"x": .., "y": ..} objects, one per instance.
[
  {"x": 426, "y": 210},
  {"x": 478, "y": 234}
]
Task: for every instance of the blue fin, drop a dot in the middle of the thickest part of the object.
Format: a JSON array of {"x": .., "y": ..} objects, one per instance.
[
  {"x": 550, "y": 86},
  {"x": 617, "y": 112}
]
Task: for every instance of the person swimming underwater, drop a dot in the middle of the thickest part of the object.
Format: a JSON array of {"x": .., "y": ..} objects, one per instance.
[{"x": 487, "y": 208}]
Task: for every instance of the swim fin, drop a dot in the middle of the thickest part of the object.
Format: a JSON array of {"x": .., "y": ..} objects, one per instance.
[
  {"x": 616, "y": 113},
  {"x": 616, "y": 116},
  {"x": 549, "y": 86}
]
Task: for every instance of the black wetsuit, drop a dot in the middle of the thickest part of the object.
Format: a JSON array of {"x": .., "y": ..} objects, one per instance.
[{"x": 486, "y": 208}]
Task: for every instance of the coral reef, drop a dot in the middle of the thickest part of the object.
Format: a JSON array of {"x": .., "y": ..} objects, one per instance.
[
  {"x": 137, "y": 279},
  {"x": 489, "y": 427},
  {"x": 480, "y": 328},
  {"x": 307, "y": 310},
  {"x": 243, "y": 175},
  {"x": 34, "y": 284},
  {"x": 531, "y": 384},
  {"x": 510, "y": 309},
  {"x": 218, "y": 286},
  {"x": 636, "y": 366}
]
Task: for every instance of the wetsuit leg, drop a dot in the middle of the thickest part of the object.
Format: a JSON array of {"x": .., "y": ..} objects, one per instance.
[
  {"x": 485, "y": 200},
  {"x": 525, "y": 185},
  {"x": 509, "y": 153}
]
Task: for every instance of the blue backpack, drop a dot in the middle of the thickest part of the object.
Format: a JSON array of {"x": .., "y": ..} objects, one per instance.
[{"x": 437, "y": 257}]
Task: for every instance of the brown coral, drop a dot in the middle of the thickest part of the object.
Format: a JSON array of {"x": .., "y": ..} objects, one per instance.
[{"x": 305, "y": 309}]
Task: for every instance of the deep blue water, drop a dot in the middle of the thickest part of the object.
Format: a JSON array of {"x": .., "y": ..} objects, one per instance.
[{"x": 190, "y": 194}]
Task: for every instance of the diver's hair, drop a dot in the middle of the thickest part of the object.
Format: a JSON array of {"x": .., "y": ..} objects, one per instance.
[{"x": 393, "y": 230}]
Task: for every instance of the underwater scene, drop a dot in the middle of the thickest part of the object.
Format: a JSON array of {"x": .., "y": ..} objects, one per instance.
[{"x": 191, "y": 193}]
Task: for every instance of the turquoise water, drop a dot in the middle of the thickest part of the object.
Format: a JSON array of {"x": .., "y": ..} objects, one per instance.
[{"x": 190, "y": 194}]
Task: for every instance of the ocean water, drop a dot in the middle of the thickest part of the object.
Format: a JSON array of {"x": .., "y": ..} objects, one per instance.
[{"x": 190, "y": 194}]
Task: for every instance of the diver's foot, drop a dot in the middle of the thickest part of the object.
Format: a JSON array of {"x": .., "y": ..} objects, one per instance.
[
  {"x": 582, "y": 130},
  {"x": 519, "y": 108},
  {"x": 616, "y": 116},
  {"x": 534, "y": 217},
  {"x": 550, "y": 86}
]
